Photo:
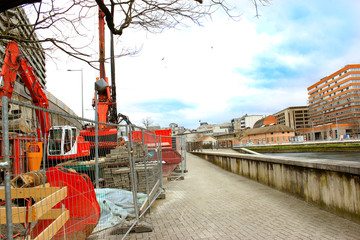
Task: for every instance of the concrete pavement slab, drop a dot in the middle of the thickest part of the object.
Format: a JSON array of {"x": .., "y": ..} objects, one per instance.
[{"x": 212, "y": 203}]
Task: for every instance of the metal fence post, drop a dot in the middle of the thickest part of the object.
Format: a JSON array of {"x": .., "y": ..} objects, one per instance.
[
  {"x": 185, "y": 153},
  {"x": 133, "y": 174},
  {"x": 145, "y": 164},
  {"x": 44, "y": 152},
  {"x": 96, "y": 143},
  {"x": 182, "y": 155},
  {"x": 161, "y": 166},
  {"x": 5, "y": 122}
]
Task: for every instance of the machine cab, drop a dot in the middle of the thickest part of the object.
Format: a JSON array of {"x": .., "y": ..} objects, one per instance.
[{"x": 62, "y": 141}]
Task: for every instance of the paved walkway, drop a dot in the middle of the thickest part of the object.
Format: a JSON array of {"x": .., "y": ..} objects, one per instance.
[{"x": 212, "y": 203}]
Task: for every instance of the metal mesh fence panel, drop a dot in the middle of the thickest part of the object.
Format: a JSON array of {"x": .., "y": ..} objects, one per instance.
[
  {"x": 171, "y": 157},
  {"x": 74, "y": 178}
]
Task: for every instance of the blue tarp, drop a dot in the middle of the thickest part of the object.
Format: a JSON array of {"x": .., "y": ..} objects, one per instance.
[{"x": 116, "y": 205}]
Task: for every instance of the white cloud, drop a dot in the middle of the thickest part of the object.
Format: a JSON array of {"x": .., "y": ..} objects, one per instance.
[{"x": 198, "y": 66}]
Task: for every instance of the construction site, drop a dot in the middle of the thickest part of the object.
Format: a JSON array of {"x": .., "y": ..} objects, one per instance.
[{"x": 66, "y": 177}]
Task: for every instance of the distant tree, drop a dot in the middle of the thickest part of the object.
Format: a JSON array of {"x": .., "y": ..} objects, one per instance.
[
  {"x": 147, "y": 122},
  {"x": 63, "y": 24}
]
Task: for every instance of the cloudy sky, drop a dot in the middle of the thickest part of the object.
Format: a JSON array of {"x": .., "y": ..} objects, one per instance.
[{"x": 225, "y": 69}]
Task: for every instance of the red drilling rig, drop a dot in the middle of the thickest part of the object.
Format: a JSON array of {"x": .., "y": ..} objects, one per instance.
[{"x": 106, "y": 103}]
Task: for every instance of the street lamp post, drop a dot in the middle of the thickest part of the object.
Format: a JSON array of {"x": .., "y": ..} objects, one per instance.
[{"x": 82, "y": 89}]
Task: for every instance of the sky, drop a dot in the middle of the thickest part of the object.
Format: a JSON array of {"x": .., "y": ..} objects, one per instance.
[{"x": 223, "y": 69}]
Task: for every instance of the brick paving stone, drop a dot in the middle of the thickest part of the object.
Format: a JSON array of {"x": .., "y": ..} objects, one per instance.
[{"x": 212, "y": 203}]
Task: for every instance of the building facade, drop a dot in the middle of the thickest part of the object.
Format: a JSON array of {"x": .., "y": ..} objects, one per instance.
[
  {"x": 294, "y": 117},
  {"x": 246, "y": 121},
  {"x": 14, "y": 22},
  {"x": 211, "y": 129},
  {"x": 227, "y": 140},
  {"x": 334, "y": 105},
  {"x": 176, "y": 129},
  {"x": 268, "y": 135},
  {"x": 267, "y": 131}
]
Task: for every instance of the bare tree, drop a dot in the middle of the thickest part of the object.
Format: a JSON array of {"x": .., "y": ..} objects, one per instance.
[
  {"x": 55, "y": 25},
  {"x": 147, "y": 122},
  {"x": 63, "y": 24}
]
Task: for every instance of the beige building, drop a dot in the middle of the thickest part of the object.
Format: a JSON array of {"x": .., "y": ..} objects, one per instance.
[
  {"x": 294, "y": 117},
  {"x": 176, "y": 129},
  {"x": 207, "y": 140},
  {"x": 227, "y": 139},
  {"x": 211, "y": 129},
  {"x": 268, "y": 134}
]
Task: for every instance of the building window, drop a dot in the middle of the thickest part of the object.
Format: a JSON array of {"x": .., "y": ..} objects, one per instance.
[
  {"x": 272, "y": 139},
  {"x": 277, "y": 139}
]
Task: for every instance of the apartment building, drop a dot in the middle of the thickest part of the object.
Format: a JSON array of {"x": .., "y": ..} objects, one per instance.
[
  {"x": 246, "y": 121},
  {"x": 14, "y": 22},
  {"x": 294, "y": 117},
  {"x": 334, "y": 105},
  {"x": 211, "y": 129}
]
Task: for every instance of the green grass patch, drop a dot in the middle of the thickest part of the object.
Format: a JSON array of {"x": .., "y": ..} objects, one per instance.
[{"x": 308, "y": 148}]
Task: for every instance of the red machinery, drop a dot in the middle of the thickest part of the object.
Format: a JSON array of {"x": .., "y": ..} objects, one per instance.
[
  {"x": 81, "y": 203},
  {"x": 149, "y": 138},
  {"x": 18, "y": 153},
  {"x": 106, "y": 111},
  {"x": 63, "y": 142},
  {"x": 106, "y": 105},
  {"x": 13, "y": 64},
  {"x": 170, "y": 157}
]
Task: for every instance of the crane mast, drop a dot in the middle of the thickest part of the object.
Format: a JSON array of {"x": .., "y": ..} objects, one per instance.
[{"x": 106, "y": 99}]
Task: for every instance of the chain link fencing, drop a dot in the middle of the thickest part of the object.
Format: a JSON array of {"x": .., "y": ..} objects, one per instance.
[{"x": 64, "y": 177}]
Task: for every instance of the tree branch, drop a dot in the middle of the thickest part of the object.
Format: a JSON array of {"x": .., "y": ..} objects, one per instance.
[{"x": 65, "y": 26}]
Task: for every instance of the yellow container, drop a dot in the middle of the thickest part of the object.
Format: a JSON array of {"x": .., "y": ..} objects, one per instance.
[{"x": 34, "y": 153}]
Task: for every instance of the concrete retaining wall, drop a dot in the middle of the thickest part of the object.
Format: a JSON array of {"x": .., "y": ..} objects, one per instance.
[{"x": 331, "y": 184}]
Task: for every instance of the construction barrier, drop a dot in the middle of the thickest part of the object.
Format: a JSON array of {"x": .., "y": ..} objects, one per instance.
[{"x": 66, "y": 177}]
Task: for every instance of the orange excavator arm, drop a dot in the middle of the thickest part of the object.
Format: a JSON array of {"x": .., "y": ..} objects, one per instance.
[
  {"x": 14, "y": 63},
  {"x": 9, "y": 70}
]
